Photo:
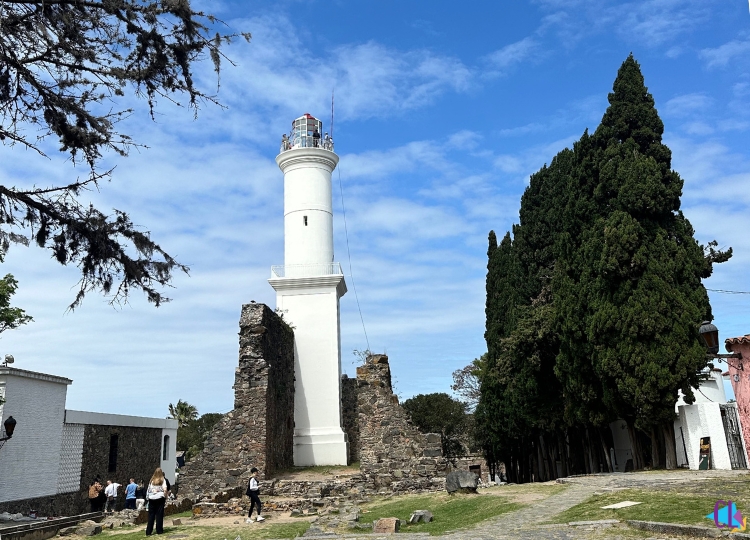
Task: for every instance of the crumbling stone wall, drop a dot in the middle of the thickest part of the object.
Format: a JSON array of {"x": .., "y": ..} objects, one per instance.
[
  {"x": 394, "y": 455},
  {"x": 350, "y": 416},
  {"x": 258, "y": 431}
]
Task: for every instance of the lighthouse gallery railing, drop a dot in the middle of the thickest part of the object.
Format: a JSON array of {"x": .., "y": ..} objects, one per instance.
[{"x": 306, "y": 270}]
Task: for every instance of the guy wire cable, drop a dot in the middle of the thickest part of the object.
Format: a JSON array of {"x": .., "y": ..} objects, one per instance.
[
  {"x": 728, "y": 292},
  {"x": 349, "y": 255}
]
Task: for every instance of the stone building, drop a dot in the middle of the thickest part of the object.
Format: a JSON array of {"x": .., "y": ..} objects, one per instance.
[{"x": 55, "y": 454}]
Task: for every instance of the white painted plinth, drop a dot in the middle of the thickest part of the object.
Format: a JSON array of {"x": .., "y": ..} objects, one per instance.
[
  {"x": 320, "y": 448},
  {"x": 311, "y": 306}
]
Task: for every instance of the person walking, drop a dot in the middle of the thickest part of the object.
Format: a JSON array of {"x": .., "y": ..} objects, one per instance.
[
  {"x": 111, "y": 492},
  {"x": 130, "y": 495},
  {"x": 156, "y": 495},
  {"x": 253, "y": 492}
]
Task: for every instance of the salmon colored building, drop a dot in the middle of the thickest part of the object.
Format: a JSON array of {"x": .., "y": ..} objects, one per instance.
[{"x": 740, "y": 379}]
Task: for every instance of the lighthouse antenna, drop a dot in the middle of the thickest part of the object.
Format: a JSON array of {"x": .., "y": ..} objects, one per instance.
[{"x": 332, "y": 113}]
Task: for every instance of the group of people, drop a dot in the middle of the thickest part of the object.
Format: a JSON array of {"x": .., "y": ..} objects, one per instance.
[
  {"x": 155, "y": 496},
  {"x": 137, "y": 496},
  {"x": 326, "y": 142}
]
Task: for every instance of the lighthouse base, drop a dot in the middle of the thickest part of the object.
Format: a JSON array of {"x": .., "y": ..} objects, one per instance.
[{"x": 321, "y": 449}]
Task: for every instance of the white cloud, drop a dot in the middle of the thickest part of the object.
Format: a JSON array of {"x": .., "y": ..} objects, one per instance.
[
  {"x": 501, "y": 60},
  {"x": 649, "y": 23},
  {"x": 687, "y": 104},
  {"x": 724, "y": 54},
  {"x": 370, "y": 80},
  {"x": 698, "y": 128}
]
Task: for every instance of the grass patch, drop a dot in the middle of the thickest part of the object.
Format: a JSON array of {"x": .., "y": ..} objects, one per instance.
[
  {"x": 685, "y": 504},
  {"x": 192, "y": 532},
  {"x": 450, "y": 512},
  {"x": 187, "y": 514}
]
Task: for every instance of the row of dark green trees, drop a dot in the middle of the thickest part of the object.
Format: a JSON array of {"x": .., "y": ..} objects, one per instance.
[{"x": 594, "y": 303}]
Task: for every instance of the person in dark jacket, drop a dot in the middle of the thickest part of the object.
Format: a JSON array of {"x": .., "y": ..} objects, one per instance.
[{"x": 253, "y": 492}]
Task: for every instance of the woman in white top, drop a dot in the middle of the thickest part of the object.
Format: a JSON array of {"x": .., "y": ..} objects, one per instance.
[
  {"x": 157, "y": 496},
  {"x": 253, "y": 492}
]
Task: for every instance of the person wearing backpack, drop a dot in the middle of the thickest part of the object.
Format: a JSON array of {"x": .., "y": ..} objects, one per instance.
[{"x": 253, "y": 492}]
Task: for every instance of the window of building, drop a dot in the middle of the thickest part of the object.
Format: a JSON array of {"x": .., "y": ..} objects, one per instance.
[
  {"x": 113, "y": 440},
  {"x": 165, "y": 454}
]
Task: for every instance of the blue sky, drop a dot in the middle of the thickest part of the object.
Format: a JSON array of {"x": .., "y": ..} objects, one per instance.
[{"x": 442, "y": 113}]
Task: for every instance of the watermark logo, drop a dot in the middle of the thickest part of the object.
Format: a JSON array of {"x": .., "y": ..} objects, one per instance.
[{"x": 728, "y": 517}]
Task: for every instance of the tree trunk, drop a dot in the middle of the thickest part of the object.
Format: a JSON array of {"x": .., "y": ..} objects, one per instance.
[
  {"x": 551, "y": 455},
  {"x": 593, "y": 435},
  {"x": 585, "y": 452},
  {"x": 635, "y": 446},
  {"x": 669, "y": 445},
  {"x": 654, "y": 448},
  {"x": 541, "y": 475},
  {"x": 544, "y": 459},
  {"x": 605, "y": 450},
  {"x": 564, "y": 465}
]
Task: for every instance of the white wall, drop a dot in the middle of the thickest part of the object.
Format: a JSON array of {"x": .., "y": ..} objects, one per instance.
[
  {"x": 710, "y": 391},
  {"x": 681, "y": 444},
  {"x": 307, "y": 192},
  {"x": 621, "y": 438},
  {"x": 704, "y": 420},
  {"x": 169, "y": 465},
  {"x": 30, "y": 461},
  {"x": 311, "y": 307}
]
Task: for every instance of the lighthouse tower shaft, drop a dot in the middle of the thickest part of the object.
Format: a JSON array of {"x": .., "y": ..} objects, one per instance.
[{"x": 308, "y": 288}]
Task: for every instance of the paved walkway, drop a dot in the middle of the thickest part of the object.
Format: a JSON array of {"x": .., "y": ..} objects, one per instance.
[{"x": 525, "y": 524}]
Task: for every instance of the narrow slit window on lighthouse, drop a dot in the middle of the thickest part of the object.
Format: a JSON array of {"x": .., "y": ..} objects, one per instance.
[{"x": 304, "y": 220}]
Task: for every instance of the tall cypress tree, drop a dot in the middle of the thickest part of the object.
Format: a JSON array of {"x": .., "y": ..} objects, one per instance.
[
  {"x": 593, "y": 304},
  {"x": 633, "y": 283}
]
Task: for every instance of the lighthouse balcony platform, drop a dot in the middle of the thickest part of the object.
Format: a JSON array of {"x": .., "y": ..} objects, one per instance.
[{"x": 306, "y": 270}]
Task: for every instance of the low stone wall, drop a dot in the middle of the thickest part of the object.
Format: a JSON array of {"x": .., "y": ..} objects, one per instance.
[
  {"x": 62, "y": 504},
  {"x": 394, "y": 455},
  {"x": 258, "y": 432}
]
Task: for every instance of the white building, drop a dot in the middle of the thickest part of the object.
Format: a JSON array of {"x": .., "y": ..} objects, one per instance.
[
  {"x": 709, "y": 416},
  {"x": 55, "y": 453},
  {"x": 308, "y": 287}
]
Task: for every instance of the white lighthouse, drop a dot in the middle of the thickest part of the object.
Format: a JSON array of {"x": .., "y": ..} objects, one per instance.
[{"x": 308, "y": 287}]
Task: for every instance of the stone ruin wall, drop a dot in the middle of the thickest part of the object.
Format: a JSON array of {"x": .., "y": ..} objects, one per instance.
[
  {"x": 394, "y": 455},
  {"x": 258, "y": 431}
]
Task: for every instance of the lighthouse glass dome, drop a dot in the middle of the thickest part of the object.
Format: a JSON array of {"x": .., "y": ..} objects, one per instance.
[{"x": 307, "y": 132}]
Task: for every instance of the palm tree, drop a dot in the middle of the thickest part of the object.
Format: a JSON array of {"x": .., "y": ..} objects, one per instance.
[{"x": 183, "y": 412}]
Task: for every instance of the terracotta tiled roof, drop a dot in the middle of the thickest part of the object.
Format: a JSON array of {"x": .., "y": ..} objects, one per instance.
[{"x": 744, "y": 340}]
